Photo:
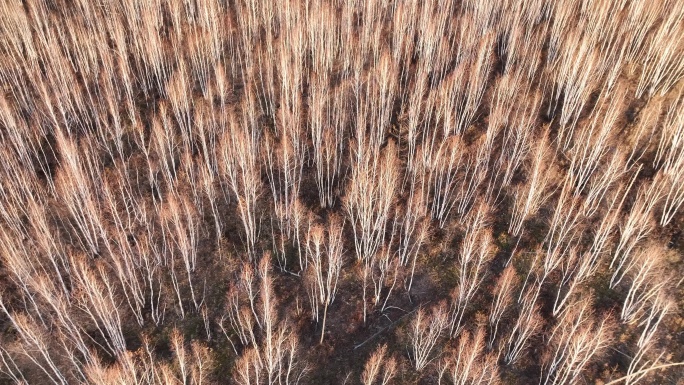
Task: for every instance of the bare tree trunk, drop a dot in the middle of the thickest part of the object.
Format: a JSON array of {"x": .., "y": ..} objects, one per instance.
[{"x": 325, "y": 315}]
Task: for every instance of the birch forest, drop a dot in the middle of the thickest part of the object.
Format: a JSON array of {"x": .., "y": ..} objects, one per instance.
[{"x": 373, "y": 192}]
